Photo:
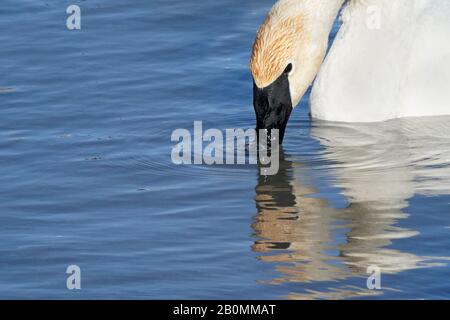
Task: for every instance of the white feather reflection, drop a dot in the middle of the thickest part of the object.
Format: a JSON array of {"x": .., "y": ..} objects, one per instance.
[{"x": 378, "y": 167}]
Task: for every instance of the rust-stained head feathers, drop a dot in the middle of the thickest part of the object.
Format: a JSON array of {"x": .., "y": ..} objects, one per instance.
[{"x": 275, "y": 47}]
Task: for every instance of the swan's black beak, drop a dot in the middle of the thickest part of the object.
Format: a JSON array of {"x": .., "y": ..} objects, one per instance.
[{"x": 273, "y": 106}]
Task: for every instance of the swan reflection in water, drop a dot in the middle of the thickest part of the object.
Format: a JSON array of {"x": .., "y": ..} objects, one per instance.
[{"x": 378, "y": 168}]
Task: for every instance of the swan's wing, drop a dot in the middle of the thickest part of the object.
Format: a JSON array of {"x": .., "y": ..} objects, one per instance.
[
  {"x": 388, "y": 59},
  {"x": 427, "y": 85}
]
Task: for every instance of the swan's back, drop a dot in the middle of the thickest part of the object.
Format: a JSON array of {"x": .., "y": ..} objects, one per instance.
[
  {"x": 395, "y": 67},
  {"x": 427, "y": 88}
]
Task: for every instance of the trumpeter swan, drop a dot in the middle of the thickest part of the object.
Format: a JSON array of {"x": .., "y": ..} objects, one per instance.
[{"x": 397, "y": 66}]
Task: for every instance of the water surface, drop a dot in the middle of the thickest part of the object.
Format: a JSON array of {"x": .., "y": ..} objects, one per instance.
[{"x": 87, "y": 179}]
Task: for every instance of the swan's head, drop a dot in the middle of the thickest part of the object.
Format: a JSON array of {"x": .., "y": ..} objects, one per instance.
[{"x": 284, "y": 62}]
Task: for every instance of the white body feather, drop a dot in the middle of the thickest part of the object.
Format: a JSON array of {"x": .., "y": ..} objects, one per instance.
[{"x": 398, "y": 66}]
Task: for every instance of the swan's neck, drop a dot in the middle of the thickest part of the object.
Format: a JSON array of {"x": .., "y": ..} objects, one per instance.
[
  {"x": 316, "y": 18},
  {"x": 322, "y": 15},
  {"x": 319, "y": 15}
]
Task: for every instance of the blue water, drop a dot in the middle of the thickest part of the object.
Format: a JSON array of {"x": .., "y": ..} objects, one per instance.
[{"x": 87, "y": 179}]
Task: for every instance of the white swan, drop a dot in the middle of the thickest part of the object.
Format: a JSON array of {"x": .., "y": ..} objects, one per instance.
[{"x": 390, "y": 59}]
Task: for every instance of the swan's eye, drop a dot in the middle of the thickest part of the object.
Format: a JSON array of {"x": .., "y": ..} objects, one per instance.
[{"x": 288, "y": 69}]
